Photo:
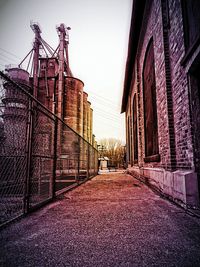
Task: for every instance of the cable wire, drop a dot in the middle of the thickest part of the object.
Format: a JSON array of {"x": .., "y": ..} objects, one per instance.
[{"x": 9, "y": 53}]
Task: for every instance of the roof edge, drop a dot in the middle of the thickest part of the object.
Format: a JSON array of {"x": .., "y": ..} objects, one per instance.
[{"x": 135, "y": 27}]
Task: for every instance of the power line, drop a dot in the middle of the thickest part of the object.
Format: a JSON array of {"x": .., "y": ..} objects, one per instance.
[
  {"x": 4, "y": 60},
  {"x": 110, "y": 107},
  {"x": 112, "y": 114},
  {"x": 113, "y": 126},
  {"x": 105, "y": 106},
  {"x": 7, "y": 58},
  {"x": 9, "y": 53},
  {"x": 101, "y": 103},
  {"x": 101, "y": 97},
  {"x": 103, "y": 115},
  {"x": 106, "y": 99},
  {"x": 107, "y": 114},
  {"x": 109, "y": 119}
]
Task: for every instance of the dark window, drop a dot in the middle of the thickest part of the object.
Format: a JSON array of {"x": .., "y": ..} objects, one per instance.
[
  {"x": 191, "y": 17},
  {"x": 135, "y": 130},
  {"x": 195, "y": 111},
  {"x": 150, "y": 109},
  {"x": 128, "y": 137}
]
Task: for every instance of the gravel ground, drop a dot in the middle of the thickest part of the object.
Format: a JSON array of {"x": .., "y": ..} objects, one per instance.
[{"x": 112, "y": 220}]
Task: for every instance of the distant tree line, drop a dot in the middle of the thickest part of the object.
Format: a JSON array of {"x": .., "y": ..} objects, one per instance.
[{"x": 114, "y": 149}]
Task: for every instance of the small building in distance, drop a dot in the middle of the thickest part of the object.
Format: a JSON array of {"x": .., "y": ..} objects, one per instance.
[
  {"x": 103, "y": 164},
  {"x": 161, "y": 97}
]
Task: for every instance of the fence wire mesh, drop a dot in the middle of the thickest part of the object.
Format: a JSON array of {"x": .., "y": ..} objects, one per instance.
[
  {"x": 13, "y": 139},
  {"x": 40, "y": 156}
]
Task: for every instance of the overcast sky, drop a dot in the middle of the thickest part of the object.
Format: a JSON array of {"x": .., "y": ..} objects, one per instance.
[{"x": 98, "y": 43}]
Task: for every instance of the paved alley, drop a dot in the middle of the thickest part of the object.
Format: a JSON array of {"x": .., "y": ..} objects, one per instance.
[{"x": 112, "y": 220}]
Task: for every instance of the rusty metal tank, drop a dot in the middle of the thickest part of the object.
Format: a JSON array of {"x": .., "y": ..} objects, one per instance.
[
  {"x": 15, "y": 113},
  {"x": 95, "y": 144},
  {"x": 73, "y": 104},
  {"x": 88, "y": 121},
  {"x": 15, "y": 100},
  {"x": 18, "y": 75},
  {"x": 91, "y": 126},
  {"x": 85, "y": 110},
  {"x": 93, "y": 140},
  {"x": 80, "y": 109}
]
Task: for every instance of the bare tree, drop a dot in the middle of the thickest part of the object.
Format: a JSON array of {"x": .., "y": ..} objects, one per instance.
[{"x": 113, "y": 149}]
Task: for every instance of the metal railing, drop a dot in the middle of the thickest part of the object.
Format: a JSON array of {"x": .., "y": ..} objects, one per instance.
[{"x": 40, "y": 156}]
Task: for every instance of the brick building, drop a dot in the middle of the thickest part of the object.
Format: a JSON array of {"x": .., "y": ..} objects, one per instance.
[{"x": 161, "y": 97}]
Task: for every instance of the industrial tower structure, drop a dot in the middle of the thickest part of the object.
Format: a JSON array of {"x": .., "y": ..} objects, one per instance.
[
  {"x": 53, "y": 84},
  {"x": 46, "y": 141}
]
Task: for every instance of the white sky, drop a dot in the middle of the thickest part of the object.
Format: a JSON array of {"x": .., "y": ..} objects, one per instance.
[{"x": 98, "y": 43}]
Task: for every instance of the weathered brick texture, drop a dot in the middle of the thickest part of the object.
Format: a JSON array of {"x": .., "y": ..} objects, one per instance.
[{"x": 177, "y": 98}]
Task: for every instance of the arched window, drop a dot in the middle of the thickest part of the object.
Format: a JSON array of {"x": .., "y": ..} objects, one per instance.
[
  {"x": 135, "y": 130},
  {"x": 128, "y": 140},
  {"x": 150, "y": 109}
]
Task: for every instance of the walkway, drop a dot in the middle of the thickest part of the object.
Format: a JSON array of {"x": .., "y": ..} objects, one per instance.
[{"x": 112, "y": 220}]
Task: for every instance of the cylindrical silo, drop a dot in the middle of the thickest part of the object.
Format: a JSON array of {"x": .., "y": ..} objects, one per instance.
[
  {"x": 91, "y": 125},
  {"x": 80, "y": 110},
  {"x": 93, "y": 140},
  {"x": 85, "y": 110},
  {"x": 73, "y": 104},
  {"x": 95, "y": 144},
  {"x": 84, "y": 146},
  {"x": 73, "y": 116},
  {"x": 2, "y": 137},
  {"x": 16, "y": 110},
  {"x": 88, "y": 121}
]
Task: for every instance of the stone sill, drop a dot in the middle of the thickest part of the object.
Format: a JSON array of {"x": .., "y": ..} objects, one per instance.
[{"x": 153, "y": 158}]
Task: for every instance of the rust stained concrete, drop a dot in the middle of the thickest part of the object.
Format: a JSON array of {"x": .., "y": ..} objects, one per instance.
[{"x": 112, "y": 220}]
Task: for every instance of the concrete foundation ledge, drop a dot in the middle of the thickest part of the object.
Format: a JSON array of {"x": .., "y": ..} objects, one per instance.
[
  {"x": 103, "y": 171},
  {"x": 181, "y": 186}
]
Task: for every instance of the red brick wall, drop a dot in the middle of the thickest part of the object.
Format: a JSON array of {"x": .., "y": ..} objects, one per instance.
[
  {"x": 173, "y": 111},
  {"x": 182, "y": 123}
]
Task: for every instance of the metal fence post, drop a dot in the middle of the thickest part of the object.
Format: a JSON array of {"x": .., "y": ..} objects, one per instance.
[
  {"x": 88, "y": 162},
  {"x": 79, "y": 158},
  {"x": 94, "y": 164},
  {"x": 53, "y": 182},
  {"x": 28, "y": 158}
]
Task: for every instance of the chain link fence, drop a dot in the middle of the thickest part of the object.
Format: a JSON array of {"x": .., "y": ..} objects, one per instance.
[{"x": 40, "y": 156}]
